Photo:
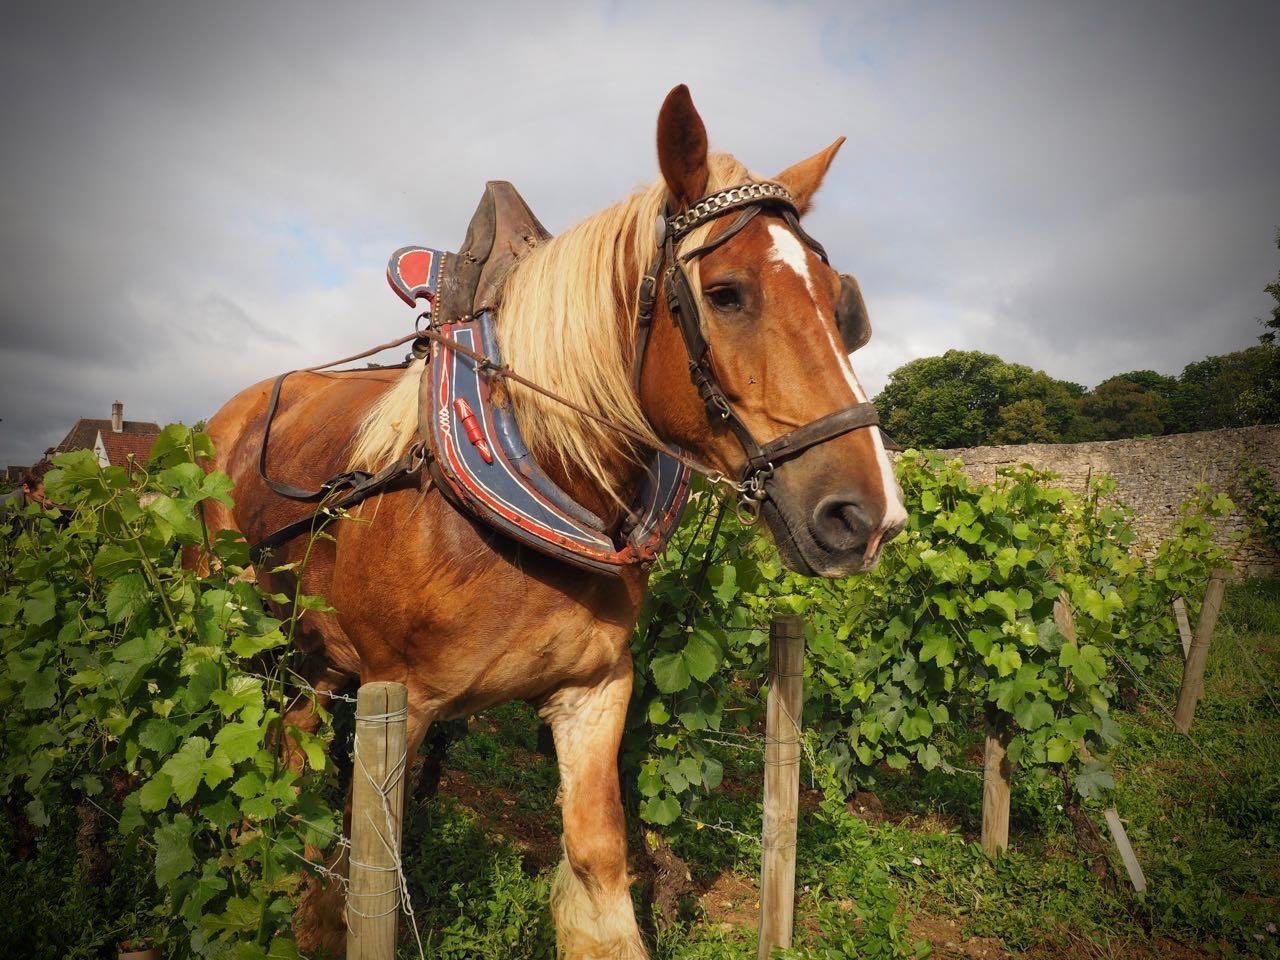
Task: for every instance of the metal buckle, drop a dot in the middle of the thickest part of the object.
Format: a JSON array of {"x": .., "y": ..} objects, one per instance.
[
  {"x": 751, "y": 495},
  {"x": 417, "y": 457}
]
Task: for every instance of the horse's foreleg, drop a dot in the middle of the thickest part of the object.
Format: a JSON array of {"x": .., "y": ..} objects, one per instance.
[{"x": 591, "y": 897}]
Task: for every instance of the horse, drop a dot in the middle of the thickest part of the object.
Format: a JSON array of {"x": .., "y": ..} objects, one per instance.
[{"x": 425, "y": 595}]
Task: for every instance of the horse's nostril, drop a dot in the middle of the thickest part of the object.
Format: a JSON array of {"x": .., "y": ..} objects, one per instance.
[{"x": 840, "y": 525}]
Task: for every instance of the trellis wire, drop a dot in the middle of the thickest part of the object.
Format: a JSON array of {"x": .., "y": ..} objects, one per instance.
[
  {"x": 1191, "y": 739},
  {"x": 1257, "y": 672},
  {"x": 297, "y": 681},
  {"x": 400, "y": 884}
]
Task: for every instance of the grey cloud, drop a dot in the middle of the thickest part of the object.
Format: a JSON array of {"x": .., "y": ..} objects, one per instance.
[{"x": 200, "y": 195}]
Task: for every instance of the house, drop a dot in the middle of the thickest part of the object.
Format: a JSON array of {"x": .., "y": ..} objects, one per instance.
[{"x": 115, "y": 441}]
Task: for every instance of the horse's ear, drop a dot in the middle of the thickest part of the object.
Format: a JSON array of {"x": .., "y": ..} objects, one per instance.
[
  {"x": 851, "y": 315},
  {"x": 682, "y": 146},
  {"x": 804, "y": 178}
]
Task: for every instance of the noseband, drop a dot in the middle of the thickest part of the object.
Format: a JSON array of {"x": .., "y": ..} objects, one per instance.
[{"x": 748, "y": 200}]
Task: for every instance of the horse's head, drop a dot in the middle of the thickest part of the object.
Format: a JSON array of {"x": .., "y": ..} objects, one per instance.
[{"x": 776, "y": 323}]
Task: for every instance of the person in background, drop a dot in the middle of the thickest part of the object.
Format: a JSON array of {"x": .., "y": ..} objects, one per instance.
[{"x": 30, "y": 489}]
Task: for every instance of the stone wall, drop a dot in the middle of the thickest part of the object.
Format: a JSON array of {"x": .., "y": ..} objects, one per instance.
[{"x": 1155, "y": 476}]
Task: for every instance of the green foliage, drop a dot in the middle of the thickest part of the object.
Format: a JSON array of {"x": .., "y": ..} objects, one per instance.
[
  {"x": 1272, "y": 325},
  {"x": 122, "y": 666},
  {"x": 697, "y": 652},
  {"x": 1234, "y": 390},
  {"x": 1262, "y": 501},
  {"x": 957, "y": 624},
  {"x": 955, "y": 629},
  {"x": 1119, "y": 408},
  {"x": 965, "y": 398}
]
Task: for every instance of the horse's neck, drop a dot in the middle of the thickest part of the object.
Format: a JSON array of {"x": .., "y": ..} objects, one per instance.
[
  {"x": 587, "y": 493},
  {"x": 624, "y": 472}
]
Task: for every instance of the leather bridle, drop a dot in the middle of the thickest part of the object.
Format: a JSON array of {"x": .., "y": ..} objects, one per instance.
[{"x": 749, "y": 200}]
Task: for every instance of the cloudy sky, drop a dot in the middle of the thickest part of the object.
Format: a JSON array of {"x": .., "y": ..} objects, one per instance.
[{"x": 196, "y": 196}]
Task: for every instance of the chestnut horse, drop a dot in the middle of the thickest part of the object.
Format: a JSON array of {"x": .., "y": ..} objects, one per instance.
[{"x": 424, "y": 595}]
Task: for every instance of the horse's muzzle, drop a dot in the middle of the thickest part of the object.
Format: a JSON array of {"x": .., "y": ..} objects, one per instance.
[
  {"x": 843, "y": 527},
  {"x": 835, "y": 538}
]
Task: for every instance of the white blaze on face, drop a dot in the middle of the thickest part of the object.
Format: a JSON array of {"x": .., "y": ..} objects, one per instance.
[{"x": 788, "y": 250}]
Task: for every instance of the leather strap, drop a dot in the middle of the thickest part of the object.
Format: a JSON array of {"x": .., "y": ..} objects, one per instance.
[
  {"x": 814, "y": 432},
  {"x": 352, "y": 478},
  {"x": 406, "y": 466}
]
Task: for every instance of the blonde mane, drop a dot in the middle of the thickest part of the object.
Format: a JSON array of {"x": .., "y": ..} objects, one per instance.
[{"x": 567, "y": 323}]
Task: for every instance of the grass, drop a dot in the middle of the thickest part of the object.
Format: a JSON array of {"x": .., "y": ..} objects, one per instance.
[{"x": 897, "y": 874}]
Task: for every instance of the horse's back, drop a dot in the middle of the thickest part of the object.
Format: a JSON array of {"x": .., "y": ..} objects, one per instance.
[{"x": 312, "y": 429}]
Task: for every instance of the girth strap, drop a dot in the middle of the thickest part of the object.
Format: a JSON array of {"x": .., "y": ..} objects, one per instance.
[
  {"x": 362, "y": 484},
  {"x": 352, "y": 478},
  {"x": 406, "y": 466}
]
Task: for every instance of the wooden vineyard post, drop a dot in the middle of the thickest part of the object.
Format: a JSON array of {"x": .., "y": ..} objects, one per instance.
[
  {"x": 995, "y": 793},
  {"x": 1184, "y": 627},
  {"x": 781, "y": 783},
  {"x": 377, "y": 806},
  {"x": 995, "y": 764},
  {"x": 1127, "y": 856},
  {"x": 1066, "y": 623},
  {"x": 1198, "y": 656}
]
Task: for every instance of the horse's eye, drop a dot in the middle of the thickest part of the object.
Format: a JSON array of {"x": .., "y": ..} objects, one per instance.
[{"x": 723, "y": 298}]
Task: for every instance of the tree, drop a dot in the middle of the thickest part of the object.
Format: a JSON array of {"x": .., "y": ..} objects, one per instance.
[
  {"x": 1169, "y": 397},
  {"x": 1273, "y": 325},
  {"x": 1060, "y": 400},
  {"x": 1118, "y": 408},
  {"x": 966, "y": 398},
  {"x": 1235, "y": 389},
  {"x": 1024, "y": 421}
]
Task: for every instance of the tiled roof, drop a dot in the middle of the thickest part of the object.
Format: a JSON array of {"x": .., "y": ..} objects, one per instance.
[
  {"x": 120, "y": 446},
  {"x": 136, "y": 438}
]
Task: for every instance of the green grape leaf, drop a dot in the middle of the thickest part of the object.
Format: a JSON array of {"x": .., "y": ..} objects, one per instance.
[
  {"x": 155, "y": 793},
  {"x": 126, "y": 597},
  {"x": 41, "y": 603},
  {"x": 157, "y": 735},
  {"x": 1033, "y": 714},
  {"x": 186, "y": 768},
  {"x": 701, "y": 656},
  {"x": 240, "y": 740},
  {"x": 662, "y": 811},
  {"x": 174, "y": 856},
  {"x": 670, "y": 672}
]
